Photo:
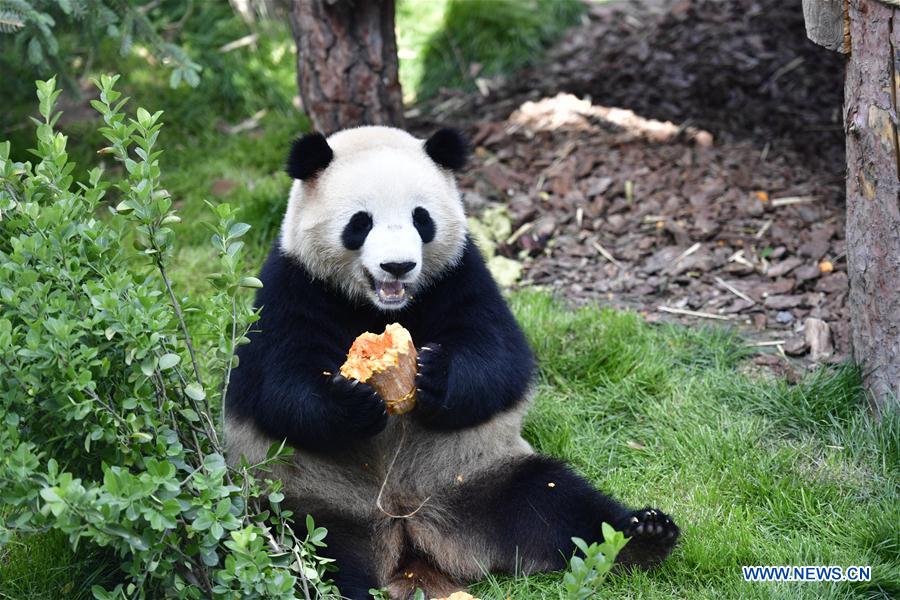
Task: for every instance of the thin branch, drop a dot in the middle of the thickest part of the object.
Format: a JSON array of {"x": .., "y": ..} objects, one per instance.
[
  {"x": 227, "y": 379},
  {"x": 177, "y": 306}
]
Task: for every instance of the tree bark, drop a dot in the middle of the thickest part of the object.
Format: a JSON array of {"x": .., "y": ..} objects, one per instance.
[
  {"x": 826, "y": 24},
  {"x": 873, "y": 197},
  {"x": 347, "y": 63}
]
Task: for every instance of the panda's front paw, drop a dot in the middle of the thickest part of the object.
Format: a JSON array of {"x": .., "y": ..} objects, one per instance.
[
  {"x": 431, "y": 380},
  {"x": 362, "y": 409}
]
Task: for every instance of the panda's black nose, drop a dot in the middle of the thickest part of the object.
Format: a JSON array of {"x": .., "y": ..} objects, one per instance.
[{"x": 398, "y": 269}]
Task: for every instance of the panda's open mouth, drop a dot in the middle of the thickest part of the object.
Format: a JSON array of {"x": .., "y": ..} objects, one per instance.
[{"x": 388, "y": 292}]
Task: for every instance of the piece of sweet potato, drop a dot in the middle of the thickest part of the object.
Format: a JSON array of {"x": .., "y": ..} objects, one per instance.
[{"x": 387, "y": 362}]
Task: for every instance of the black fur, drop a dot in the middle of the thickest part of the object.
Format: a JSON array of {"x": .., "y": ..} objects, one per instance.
[
  {"x": 424, "y": 224},
  {"x": 532, "y": 509},
  {"x": 349, "y": 545},
  {"x": 309, "y": 156},
  {"x": 356, "y": 231},
  {"x": 448, "y": 148},
  {"x": 306, "y": 327}
]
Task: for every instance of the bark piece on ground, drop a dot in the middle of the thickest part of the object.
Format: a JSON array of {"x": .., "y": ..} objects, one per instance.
[
  {"x": 796, "y": 345},
  {"x": 818, "y": 336},
  {"x": 784, "y": 267}
]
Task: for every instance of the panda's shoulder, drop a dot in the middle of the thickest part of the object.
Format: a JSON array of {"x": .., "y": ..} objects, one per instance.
[
  {"x": 291, "y": 297},
  {"x": 283, "y": 276}
]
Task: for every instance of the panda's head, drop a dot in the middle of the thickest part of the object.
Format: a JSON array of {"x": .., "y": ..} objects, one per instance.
[{"x": 375, "y": 211}]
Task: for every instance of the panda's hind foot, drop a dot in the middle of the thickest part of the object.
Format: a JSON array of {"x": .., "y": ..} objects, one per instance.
[
  {"x": 419, "y": 574},
  {"x": 650, "y": 523},
  {"x": 653, "y": 536}
]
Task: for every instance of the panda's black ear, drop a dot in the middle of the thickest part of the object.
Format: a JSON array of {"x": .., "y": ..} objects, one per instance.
[
  {"x": 309, "y": 156},
  {"x": 448, "y": 148}
]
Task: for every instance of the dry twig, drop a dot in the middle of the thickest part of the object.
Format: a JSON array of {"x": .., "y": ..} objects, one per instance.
[
  {"x": 734, "y": 290},
  {"x": 693, "y": 313}
]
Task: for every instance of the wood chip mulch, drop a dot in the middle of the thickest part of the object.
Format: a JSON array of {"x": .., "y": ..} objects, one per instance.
[{"x": 684, "y": 159}]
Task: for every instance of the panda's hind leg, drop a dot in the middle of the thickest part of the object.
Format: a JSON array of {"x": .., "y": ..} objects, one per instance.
[
  {"x": 522, "y": 516},
  {"x": 350, "y": 545}
]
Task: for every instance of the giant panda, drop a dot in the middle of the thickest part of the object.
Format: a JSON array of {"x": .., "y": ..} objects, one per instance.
[{"x": 375, "y": 233}]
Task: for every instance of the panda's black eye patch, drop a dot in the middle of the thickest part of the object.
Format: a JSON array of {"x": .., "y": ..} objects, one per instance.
[
  {"x": 356, "y": 230},
  {"x": 423, "y": 224}
]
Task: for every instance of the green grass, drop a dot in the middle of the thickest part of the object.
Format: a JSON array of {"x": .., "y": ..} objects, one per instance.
[
  {"x": 43, "y": 566},
  {"x": 756, "y": 471},
  {"x": 448, "y": 43}
]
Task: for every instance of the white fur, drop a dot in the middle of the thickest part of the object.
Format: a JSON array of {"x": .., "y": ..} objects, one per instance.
[{"x": 385, "y": 172}]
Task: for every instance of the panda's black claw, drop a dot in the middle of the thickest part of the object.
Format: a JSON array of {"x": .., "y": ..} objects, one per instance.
[
  {"x": 363, "y": 409},
  {"x": 431, "y": 378}
]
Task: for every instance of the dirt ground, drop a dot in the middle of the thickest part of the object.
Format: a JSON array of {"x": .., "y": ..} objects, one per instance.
[{"x": 675, "y": 156}]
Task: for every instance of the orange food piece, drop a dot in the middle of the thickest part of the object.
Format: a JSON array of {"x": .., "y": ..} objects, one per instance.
[
  {"x": 826, "y": 266},
  {"x": 372, "y": 353},
  {"x": 387, "y": 362},
  {"x": 459, "y": 596}
]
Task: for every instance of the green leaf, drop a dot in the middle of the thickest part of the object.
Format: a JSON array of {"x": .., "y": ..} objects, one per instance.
[
  {"x": 143, "y": 116},
  {"x": 581, "y": 544},
  {"x": 238, "y": 229},
  {"x": 250, "y": 282},
  {"x": 195, "y": 391},
  {"x": 190, "y": 414},
  {"x": 124, "y": 207},
  {"x": 148, "y": 365},
  {"x": 168, "y": 360}
]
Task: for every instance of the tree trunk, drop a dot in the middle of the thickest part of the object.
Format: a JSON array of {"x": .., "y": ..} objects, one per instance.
[
  {"x": 873, "y": 203},
  {"x": 347, "y": 63}
]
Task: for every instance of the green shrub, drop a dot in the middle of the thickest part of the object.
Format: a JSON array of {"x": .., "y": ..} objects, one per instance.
[
  {"x": 586, "y": 574},
  {"x": 111, "y": 383},
  {"x": 37, "y": 24}
]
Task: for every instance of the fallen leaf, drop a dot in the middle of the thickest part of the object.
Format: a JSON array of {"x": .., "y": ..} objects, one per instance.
[{"x": 506, "y": 271}]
